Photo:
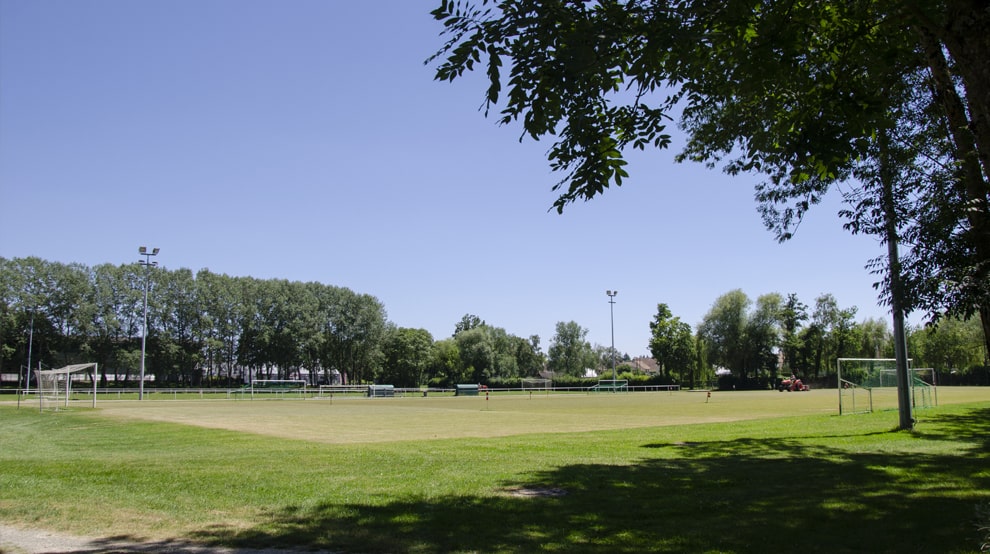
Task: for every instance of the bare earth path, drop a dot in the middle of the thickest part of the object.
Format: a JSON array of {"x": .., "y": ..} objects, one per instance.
[{"x": 15, "y": 540}]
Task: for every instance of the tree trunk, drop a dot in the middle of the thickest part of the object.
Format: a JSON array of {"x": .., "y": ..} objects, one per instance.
[
  {"x": 966, "y": 38},
  {"x": 906, "y": 421},
  {"x": 969, "y": 44}
]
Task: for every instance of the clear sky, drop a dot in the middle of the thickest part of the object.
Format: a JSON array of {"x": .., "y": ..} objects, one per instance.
[{"x": 306, "y": 140}]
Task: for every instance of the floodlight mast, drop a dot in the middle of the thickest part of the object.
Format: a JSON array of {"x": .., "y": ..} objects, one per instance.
[
  {"x": 611, "y": 303},
  {"x": 148, "y": 264}
]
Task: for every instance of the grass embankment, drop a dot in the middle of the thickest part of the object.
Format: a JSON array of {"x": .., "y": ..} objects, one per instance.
[{"x": 812, "y": 483}]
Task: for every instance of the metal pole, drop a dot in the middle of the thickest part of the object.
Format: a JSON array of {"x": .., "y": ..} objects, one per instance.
[
  {"x": 144, "y": 334},
  {"x": 147, "y": 263},
  {"x": 611, "y": 310},
  {"x": 30, "y": 345}
]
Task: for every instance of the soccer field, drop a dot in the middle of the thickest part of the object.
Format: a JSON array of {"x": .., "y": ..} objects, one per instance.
[
  {"x": 361, "y": 419},
  {"x": 596, "y": 473}
]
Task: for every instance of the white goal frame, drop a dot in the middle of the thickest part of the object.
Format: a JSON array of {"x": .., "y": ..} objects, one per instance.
[
  {"x": 278, "y": 384},
  {"x": 850, "y": 388},
  {"x": 278, "y": 387},
  {"x": 55, "y": 385},
  {"x": 534, "y": 383}
]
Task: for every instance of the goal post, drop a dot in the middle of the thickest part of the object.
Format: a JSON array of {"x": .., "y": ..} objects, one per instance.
[
  {"x": 278, "y": 384},
  {"x": 612, "y": 385},
  {"x": 870, "y": 384},
  {"x": 534, "y": 384},
  {"x": 276, "y": 387},
  {"x": 55, "y": 385}
]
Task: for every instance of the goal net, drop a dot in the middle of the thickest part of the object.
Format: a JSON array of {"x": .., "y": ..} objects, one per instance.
[
  {"x": 277, "y": 388},
  {"x": 278, "y": 384},
  {"x": 534, "y": 384},
  {"x": 870, "y": 384},
  {"x": 55, "y": 385},
  {"x": 611, "y": 385}
]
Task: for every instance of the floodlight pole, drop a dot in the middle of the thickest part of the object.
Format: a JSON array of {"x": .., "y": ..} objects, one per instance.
[
  {"x": 30, "y": 345},
  {"x": 148, "y": 264},
  {"x": 611, "y": 311}
]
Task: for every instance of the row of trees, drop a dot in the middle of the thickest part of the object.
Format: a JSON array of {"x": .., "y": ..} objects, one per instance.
[
  {"x": 775, "y": 335},
  {"x": 215, "y": 329},
  {"x": 198, "y": 326}
]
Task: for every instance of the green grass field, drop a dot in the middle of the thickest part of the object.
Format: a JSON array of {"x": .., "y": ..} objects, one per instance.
[{"x": 620, "y": 472}]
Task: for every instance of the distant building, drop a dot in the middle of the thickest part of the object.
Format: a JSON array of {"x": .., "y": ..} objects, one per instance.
[{"x": 645, "y": 365}]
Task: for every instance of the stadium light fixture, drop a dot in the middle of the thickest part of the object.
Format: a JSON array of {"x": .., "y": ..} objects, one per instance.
[
  {"x": 148, "y": 264},
  {"x": 611, "y": 303}
]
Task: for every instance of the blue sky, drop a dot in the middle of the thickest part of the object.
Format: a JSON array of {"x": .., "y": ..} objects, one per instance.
[{"x": 306, "y": 140}]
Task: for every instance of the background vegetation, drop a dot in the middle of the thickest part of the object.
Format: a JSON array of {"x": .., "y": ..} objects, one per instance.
[{"x": 208, "y": 329}]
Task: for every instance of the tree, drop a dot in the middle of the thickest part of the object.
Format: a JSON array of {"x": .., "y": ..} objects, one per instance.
[
  {"x": 221, "y": 303},
  {"x": 406, "y": 354},
  {"x": 445, "y": 366},
  {"x": 762, "y": 334},
  {"x": 529, "y": 358},
  {"x": 180, "y": 343},
  {"x": 354, "y": 331},
  {"x": 604, "y": 356},
  {"x": 110, "y": 326},
  {"x": 672, "y": 345},
  {"x": 723, "y": 331},
  {"x": 468, "y": 322},
  {"x": 873, "y": 339},
  {"x": 570, "y": 353},
  {"x": 830, "y": 333},
  {"x": 798, "y": 92},
  {"x": 953, "y": 344},
  {"x": 792, "y": 316},
  {"x": 477, "y": 353}
]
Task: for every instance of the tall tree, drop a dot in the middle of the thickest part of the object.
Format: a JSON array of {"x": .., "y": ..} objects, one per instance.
[
  {"x": 792, "y": 317},
  {"x": 831, "y": 333},
  {"x": 723, "y": 329},
  {"x": 221, "y": 303},
  {"x": 570, "y": 353},
  {"x": 529, "y": 357},
  {"x": 874, "y": 339},
  {"x": 477, "y": 353},
  {"x": 406, "y": 354},
  {"x": 762, "y": 334},
  {"x": 953, "y": 344},
  {"x": 672, "y": 345},
  {"x": 468, "y": 322},
  {"x": 446, "y": 367},
  {"x": 110, "y": 325}
]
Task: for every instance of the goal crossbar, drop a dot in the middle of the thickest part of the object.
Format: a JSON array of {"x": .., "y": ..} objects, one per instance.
[
  {"x": 876, "y": 375},
  {"x": 55, "y": 378}
]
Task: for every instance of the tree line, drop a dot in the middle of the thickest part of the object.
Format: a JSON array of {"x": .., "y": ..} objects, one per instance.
[
  {"x": 210, "y": 329},
  {"x": 756, "y": 342},
  {"x": 206, "y": 329}
]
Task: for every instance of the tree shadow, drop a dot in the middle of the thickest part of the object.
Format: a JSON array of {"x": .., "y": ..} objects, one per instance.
[
  {"x": 972, "y": 426},
  {"x": 744, "y": 495}
]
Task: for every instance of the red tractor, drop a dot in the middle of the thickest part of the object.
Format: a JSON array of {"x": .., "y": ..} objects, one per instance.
[{"x": 792, "y": 384}]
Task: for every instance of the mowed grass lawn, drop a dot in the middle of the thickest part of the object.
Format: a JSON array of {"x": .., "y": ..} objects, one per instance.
[{"x": 621, "y": 472}]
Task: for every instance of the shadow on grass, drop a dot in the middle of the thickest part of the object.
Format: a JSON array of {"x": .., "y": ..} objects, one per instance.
[{"x": 745, "y": 495}]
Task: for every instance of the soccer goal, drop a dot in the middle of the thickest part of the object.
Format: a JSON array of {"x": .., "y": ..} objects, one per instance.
[
  {"x": 55, "y": 385},
  {"x": 612, "y": 385},
  {"x": 534, "y": 384},
  {"x": 276, "y": 387},
  {"x": 870, "y": 384}
]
